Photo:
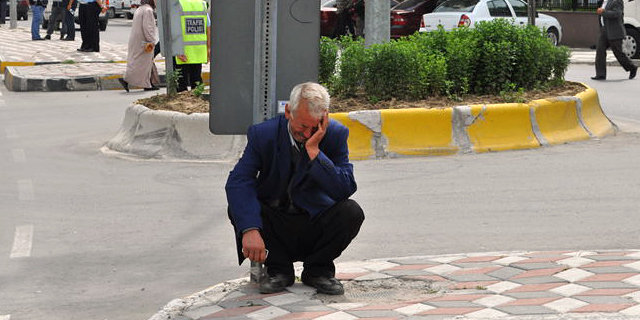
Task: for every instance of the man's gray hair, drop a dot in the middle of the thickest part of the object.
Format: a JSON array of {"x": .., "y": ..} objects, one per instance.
[{"x": 316, "y": 96}]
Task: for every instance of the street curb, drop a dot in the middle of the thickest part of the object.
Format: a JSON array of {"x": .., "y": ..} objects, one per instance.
[
  {"x": 167, "y": 135},
  {"x": 475, "y": 128},
  {"x": 375, "y": 134}
]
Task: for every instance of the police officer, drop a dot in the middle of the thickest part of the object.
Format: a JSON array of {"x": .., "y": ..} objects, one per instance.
[{"x": 195, "y": 39}]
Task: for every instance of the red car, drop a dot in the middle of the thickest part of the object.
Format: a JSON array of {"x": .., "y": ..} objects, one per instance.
[
  {"x": 407, "y": 15},
  {"x": 328, "y": 16}
]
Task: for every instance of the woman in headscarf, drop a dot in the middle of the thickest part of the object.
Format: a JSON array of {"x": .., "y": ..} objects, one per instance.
[{"x": 141, "y": 70}]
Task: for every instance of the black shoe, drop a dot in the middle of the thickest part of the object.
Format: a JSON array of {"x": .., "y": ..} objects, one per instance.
[
  {"x": 599, "y": 78},
  {"x": 632, "y": 72},
  {"x": 325, "y": 285},
  {"x": 61, "y": 37},
  {"x": 124, "y": 84},
  {"x": 276, "y": 283},
  {"x": 153, "y": 88},
  {"x": 67, "y": 39},
  {"x": 37, "y": 39},
  {"x": 47, "y": 37}
]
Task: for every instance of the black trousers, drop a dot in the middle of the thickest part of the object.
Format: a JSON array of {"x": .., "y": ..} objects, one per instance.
[
  {"x": 89, "y": 28},
  {"x": 601, "y": 54},
  {"x": 191, "y": 74},
  {"x": 3, "y": 8},
  {"x": 69, "y": 25},
  {"x": 343, "y": 21},
  {"x": 316, "y": 242}
]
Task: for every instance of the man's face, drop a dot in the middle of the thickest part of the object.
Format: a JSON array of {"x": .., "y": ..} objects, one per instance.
[{"x": 303, "y": 125}]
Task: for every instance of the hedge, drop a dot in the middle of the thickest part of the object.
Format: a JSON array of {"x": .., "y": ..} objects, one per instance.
[{"x": 491, "y": 58}]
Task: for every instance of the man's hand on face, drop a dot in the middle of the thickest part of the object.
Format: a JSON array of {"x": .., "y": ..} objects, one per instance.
[
  {"x": 312, "y": 144},
  {"x": 253, "y": 246}
]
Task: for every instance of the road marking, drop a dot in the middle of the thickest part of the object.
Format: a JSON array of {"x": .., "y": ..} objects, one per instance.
[
  {"x": 18, "y": 156},
  {"x": 5, "y": 317},
  {"x": 22, "y": 242},
  {"x": 25, "y": 190}
]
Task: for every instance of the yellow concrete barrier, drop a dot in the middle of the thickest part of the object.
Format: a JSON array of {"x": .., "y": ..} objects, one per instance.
[
  {"x": 558, "y": 120},
  {"x": 360, "y": 137},
  {"x": 501, "y": 127},
  {"x": 418, "y": 131},
  {"x": 592, "y": 115}
]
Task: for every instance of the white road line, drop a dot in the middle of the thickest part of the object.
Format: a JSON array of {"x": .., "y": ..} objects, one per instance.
[
  {"x": 19, "y": 157},
  {"x": 25, "y": 190},
  {"x": 22, "y": 242}
]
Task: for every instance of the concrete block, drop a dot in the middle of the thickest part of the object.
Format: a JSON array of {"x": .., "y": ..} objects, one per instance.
[
  {"x": 501, "y": 127},
  {"x": 592, "y": 115},
  {"x": 418, "y": 131},
  {"x": 557, "y": 120},
  {"x": 361, "y": 138}
]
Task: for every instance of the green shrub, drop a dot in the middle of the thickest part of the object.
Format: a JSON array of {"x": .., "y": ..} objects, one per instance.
[
  {"x": 351, "y": 67},
  {"x": 328, "y": 59},
  {"x": 495, "y": 57}
]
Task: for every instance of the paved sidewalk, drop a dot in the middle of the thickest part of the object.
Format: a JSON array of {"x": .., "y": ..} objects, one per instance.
[
  {"x": 56, "y": 65},
  {"x": 506, "y": 285}
]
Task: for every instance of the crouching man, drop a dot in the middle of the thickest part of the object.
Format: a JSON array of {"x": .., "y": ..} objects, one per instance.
[{"x": 289, "y": 194}]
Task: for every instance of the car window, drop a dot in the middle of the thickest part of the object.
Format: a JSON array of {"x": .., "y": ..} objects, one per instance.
[
  {"x": 519, "y": 7},
  {"x": 457, "y": 6},
  {"x": 329, "y": 4},
  {"x": 408, "y": 4},
  {"x": 498, "y": 8}
]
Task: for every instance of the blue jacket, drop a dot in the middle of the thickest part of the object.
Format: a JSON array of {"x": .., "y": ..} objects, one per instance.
[{"x": 261, "y": 174}]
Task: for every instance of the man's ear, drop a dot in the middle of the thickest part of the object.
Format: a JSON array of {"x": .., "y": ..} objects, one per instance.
[{"x": 287, "y": 112}]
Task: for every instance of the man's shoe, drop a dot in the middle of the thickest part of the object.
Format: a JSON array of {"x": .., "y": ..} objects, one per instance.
[
  {"x": 632, "y": 72},
  {"x": 67, "y": 39},
  {"x": 47, "y": 37},
  {"x": 124, "y": 84},
  {"x": 599, "y": 78},
  {"x": 325, "y": 285},
  {"x": 37, "y": 39},
  {"x": 276, "y": 283},
  {"x": 153, "y": 88}
]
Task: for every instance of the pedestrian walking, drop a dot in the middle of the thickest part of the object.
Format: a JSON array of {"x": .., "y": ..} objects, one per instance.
[
  {"x": 37, "y": 8},
  {"x": 343, "y": 18},
  {"x": 68, "y": 24},
  {"x": 89, "y": 24},
  {"x": 141, "y": 70},
  {"x": 612, "y": 31},
  {"x": 3, "y": 10},
  {"x": 56, "y": 16}
]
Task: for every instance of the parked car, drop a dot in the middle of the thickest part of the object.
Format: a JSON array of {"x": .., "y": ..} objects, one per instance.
[
  {"x": 118, "y": 8},
  {"x": 328, "y": 16},
  {"x": 457, "y": 13},
  {"x": 133, "y": 6},
  {"x": 103, "y": 18},
  {"x": 407, "y": 15},
  {"x": 22, "y": 8}
]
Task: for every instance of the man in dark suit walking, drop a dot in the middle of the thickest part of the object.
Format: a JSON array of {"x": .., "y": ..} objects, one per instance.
[
  {"x": 610, "y": 16},
  {"x": 289, "y": 194}
]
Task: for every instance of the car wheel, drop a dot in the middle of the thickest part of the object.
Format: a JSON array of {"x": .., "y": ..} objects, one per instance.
[
  {"x": 630, "y": 43},
  {"x": 129, "y": 15},
  {"x": 552, "y": 34},
  {"x": 112, "y": 13}
]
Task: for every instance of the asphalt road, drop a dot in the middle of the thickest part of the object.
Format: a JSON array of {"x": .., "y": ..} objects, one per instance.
[{"x": 89, "y": 236}]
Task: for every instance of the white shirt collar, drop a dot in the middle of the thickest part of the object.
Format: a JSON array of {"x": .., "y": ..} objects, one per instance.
[{"x": 291, "y": 139}]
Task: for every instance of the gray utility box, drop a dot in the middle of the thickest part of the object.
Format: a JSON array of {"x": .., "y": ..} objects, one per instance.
[{"x": 260, "y": 49}]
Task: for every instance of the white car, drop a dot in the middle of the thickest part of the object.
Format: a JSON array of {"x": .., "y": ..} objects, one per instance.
[{"x": 456, "y": 13}]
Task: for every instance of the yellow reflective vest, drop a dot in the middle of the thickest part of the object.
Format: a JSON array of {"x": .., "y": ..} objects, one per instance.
[{"x": 193, "y": 20}]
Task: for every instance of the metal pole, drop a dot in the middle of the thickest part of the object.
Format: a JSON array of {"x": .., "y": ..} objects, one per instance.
[
  {"x": 166, "y": 43},
  {"x": 377, "y": 17},
  {"x": 532, "y": 12},
  {"x": 13, "y": 14}
]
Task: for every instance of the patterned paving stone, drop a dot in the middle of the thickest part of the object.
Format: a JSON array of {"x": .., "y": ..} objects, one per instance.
[
  {"x": 302, "y": 315},
  {"x": 614, "y": 269},
  {"x": 565, "y": 304},
  {"x": 570, "y": 289},
  {"x": 607, "y": 263},
  {"x": 469, "y": 277},
  {"x": 608, "y": 277},
  {"x": 338, "y": 316},
  {"x": 410, "y": 267},
  {"x": 633, "y": 265},
  {"x": 452, "y": 304},
  {"x": 575, "y": 262},
  {"x": 479, "y": 285},
  {"x": 493, "y": 300},
  {"x": 607, "y": 292},
  {"x": 267, "y": 313},
  {"x": 451, "y": 311},
  {"x": 604, "y": 300},
  {"x": 534, "y": 266},
  {"x": 534, "y": 294},
  {"x": 632, "y": 311},
  {"x": 234, "y": 312},
  {"x": 573, "y": 274},
  {"x": 635, "y": 280},
  {"x": 535, "y": 287},
  {"x": 503, "y": 286},
  {"x": 509, "y": 260},
  {"x": 607, "y": 285},
  {"x": 537, "y": 280},
  {"x": 486, "y": 313},
  {"x": 414, "y": 309},
  {"x": 525, "y": 310},
  {"x": 505, "y": 273},
  {"x": 478, "y": 259},
  {"x": 308, "y": 306},
  {"x": 408, "y": 272},
  {"x": 350, "y": 276},
  {"x": 442, "y": 269},
  {"x": 602, "y": 308},
  {"x": 604, "y": 257},
  {"x": 375, "y": 314}
]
